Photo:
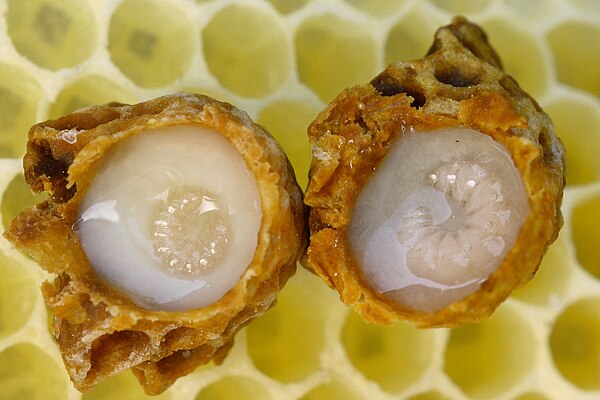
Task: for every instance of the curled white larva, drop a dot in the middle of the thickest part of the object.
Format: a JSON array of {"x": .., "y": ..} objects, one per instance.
[
  {"x": 438, "y": 217},
  {"x": 171, "y": 218}
]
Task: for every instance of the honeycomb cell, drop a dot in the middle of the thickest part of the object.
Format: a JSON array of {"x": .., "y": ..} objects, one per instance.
[
  {"x": 286, "y": 343},
  {"x": 410, "y": 38},
  {"x": 346, "y": 54},
  {"x": 247, "y": 50},
  {"x": 430, "y": 396},
  {"x": 54, "y": 34},
  {"x": 19, "y": 98},
  {"x": 18, "y": 293},
  {"x": 393, "y": 356},
  {"x": 577, "y": 123},
  {"x": 575, "y": 343},
  {"x": 378, "y": 8},
  {"x": 586, "y": 234},
  {"x": 335, "y": 389},
  {"x": 287, "y": 121},
  {"x": 462, "y": 6},
  {"x": 26, "y": 372},
  {"x": 154, "y": 48},
  {"x": 576, "y": 55},
  {"x": 16, "y": 198},
  {"x": 486, "y": 359},
  {"x": 233, "y": 388},
  {"x": 86, "y": 91},
  {"x": 552, "y": 278},
  {"x": 288, "y": 6},
  {"x": 121, "y": 386},
  {"x": 517, "y": 48}
]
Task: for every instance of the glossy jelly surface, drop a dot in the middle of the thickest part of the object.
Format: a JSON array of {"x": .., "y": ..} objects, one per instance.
[
  {"x": 438, "y": 217},
  {"x": 171, "y": 217},
  {"x": 540, "y": 344}
]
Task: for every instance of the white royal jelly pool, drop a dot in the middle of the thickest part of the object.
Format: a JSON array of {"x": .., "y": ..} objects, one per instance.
[
  {"x": 171, "y": 219},
  {"x": 438, "y": 217}
]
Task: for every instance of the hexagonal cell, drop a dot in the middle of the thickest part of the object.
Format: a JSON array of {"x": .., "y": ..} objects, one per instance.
[
  {"x": 288, "y": 6},
  {"x": 378, "y": 8},
  {"x": 247, "y": 50},
  {"x": 120, "y": 386},
  {"x": 26, "y": 372},
  {"x": 54, "y": 34},
  {"x": 577, "y": 123},
  {"x": 154, "y": 48},
  {"x": 586, "y": 234},
  {"x": 87, "y": 91},
  {"x": 286, "y": 342},
  {"x": 18, "y": 293},
  {"x": 410, "y": 38},
  {"x": 487, "y": 358},
  {"x": 16, "y": 198},
  {"x": 430, "y": 396},
  {"x": 335, "y": 389},
  {"x": 287, "y": 121},
  {"x": 233, "y": 388},
  {"x": 516, "y": 48},
  {"x": 576, "y": 55},
  {"x": 462, "y": 6},
  {"x": 552, "y": 278},
  {"x": 346, "y": 54},
  {"x": 392, "y": 356},
  {"x": 19, "y": 98},
  {"x": 575, "y": 343}
]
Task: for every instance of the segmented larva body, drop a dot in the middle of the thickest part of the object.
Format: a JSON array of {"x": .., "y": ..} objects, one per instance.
[
  {"x": 435, "y": 189},
  {"x": 170, "y": 224},
  {"x": 175, "y": 243},
  {"x": 431, "y": 226}
]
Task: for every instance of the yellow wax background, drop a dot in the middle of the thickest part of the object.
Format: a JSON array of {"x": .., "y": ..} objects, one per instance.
[{"x": 282, "y": 61}]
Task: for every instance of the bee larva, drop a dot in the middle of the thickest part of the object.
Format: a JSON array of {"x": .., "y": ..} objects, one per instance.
[
  {"x": 435, "y": 189},
  {"x": 170, "y": 224}
]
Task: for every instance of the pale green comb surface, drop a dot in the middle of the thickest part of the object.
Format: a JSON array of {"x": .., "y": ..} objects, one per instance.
[{"x": 281, "y": 61}]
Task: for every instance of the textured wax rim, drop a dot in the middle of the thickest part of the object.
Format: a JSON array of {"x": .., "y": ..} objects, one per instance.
[
  {"x": 353, "y": 287},
  {"x": 351, "y": 136},
  {"x": 66, "y": 171},
  {"x": 238, "y": 132}
]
